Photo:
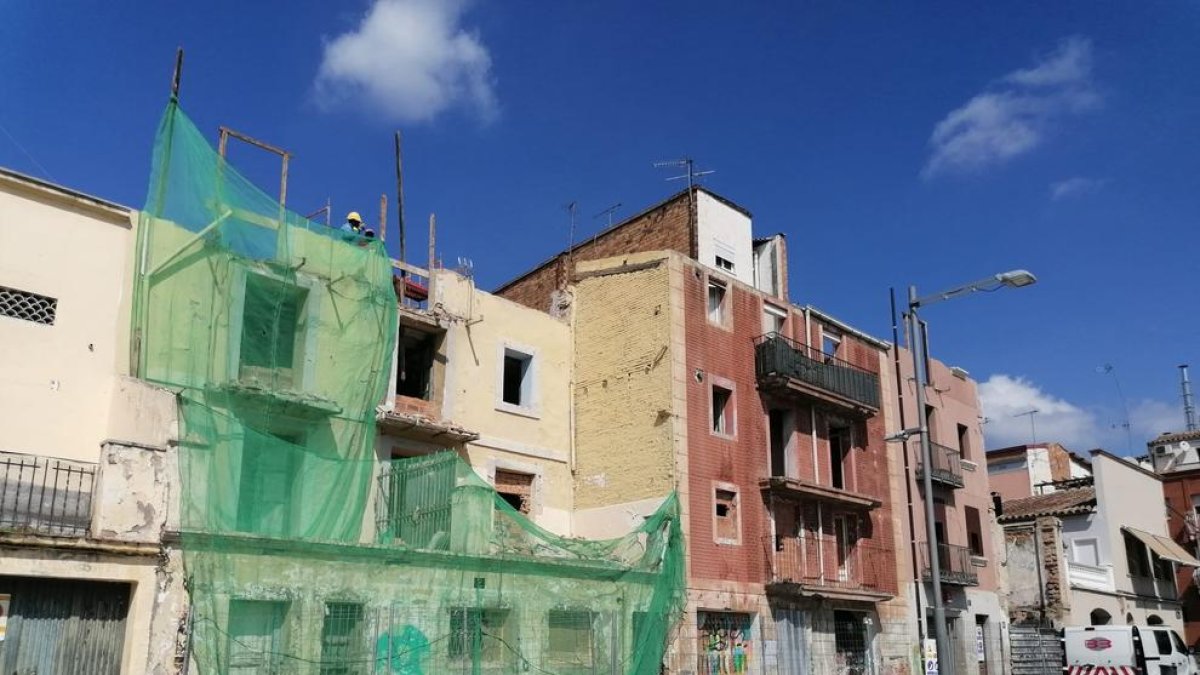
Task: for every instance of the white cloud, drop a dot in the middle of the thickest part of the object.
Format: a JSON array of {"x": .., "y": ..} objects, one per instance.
[
  {"x": 408, "y": 61},
  {"x": 1014, "y": 116},
  {"x": 1075, "y": 187},
  {"x": 1004, "y": 397}
]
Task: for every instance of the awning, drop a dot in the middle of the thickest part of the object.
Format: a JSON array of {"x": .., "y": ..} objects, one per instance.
[{"x": 1164, "y": 547}]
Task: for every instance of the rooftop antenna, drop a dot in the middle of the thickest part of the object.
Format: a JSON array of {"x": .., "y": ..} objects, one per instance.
[
  {"x": 1032, "y": 428},
  {"x": 1189, "y": 408},
  {"x": 608, "y": 212},
  {"x": 690, "y": 173},
  {"x": 572, "y": 207},
  {"x": 1109, "y": 369}
]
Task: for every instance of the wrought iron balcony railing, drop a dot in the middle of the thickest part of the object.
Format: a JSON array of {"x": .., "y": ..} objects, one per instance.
[
  {"x": 40, "y": 495},
  {"x": 954, "y": 562},
  {"x": 776, "y": 356},
  {"x": 946, "y": 465}
]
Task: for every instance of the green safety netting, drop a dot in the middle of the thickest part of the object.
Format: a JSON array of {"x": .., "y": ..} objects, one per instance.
[{"x": 307, "y": 549}]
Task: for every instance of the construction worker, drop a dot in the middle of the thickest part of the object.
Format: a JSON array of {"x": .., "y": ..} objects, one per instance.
[{"x": 354, "y": 225}]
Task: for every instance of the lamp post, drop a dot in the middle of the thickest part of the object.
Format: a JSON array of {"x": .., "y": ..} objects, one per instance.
[{"x": 1012, "y": 279}]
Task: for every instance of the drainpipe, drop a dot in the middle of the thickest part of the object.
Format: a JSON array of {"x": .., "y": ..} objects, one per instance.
[{"x": 908, "y": 492}]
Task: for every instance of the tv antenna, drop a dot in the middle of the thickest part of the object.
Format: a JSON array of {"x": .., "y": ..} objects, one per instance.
[
  {"x": 608, "y": 212},
  {"x": 689, "y": 166},
  {"x": 1109, "y": 369},
  {"x": 1032, "y": 427}
]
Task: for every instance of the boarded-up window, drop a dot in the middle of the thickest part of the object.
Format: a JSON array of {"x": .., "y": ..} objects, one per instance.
[
  {"x": 516, "y": 488},
  {"x": 726, "y": 520},
  {"x": 569, "y": 641}
]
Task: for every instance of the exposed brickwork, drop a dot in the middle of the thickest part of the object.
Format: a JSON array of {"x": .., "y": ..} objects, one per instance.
[
  {"x": 665, "y": 227},
  {"x": 1178, "y": 489},
  {"x": 623, "y": 388},
  {"x": 417, "y": 406}
]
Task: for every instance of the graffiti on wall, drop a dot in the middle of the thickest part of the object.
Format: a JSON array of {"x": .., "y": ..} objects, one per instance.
[{"x": 726, "y": 643}]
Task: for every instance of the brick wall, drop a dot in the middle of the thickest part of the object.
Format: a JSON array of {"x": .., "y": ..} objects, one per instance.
[
  {"x": 1178, "y": 490},
  {"x": 665, "y": 227},
  {"x": 623, "y": 446}
]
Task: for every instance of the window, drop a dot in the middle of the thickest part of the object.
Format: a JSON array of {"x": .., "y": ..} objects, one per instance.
[
  {"x": 722, "y": 410},
  {"x": 850, "y": 641},
  {"x": 1163, "y": 569},
  {"x": 28, "y": 306},
  {"x": 517, "y": 379},
  {"x": 974, "y": 530},
  {"x": 487, "y": 627},
  {"x": 726, "y": 519},
  {"x": 964, "y": 440},
  {"x": 774, "y": 320},
  {"x": 930, "y": 422},
  {"x": 1162, "y": 640},
  {"x": 831, "y": 342},
  {"x": 268, "y": 472},
  {"x": 516, "y": 489},
  {"x": 569, "y": 640},
  {"x": 255, "y": 636},
  {"x": 845, "y": 531},
  {"x": 414, "y": 363},
  {"x": 725, "y": 264},
  {"x": 1085, "y": 552},
  {"x": 780, "y": 423},
  {"x": 1135, "y": 556},
  {"x": 272, "y": 343},
  {"x": 840, "y": 440},
  {"x": 717, "y": 304},
  {"x": 725, "y": 642},
  {"x": 343, "y": 640}
]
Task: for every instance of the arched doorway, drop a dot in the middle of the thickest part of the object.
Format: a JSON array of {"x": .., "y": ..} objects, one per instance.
[
  {"x": 1154, "y": 620},
  {"x": 1099, "y": 617}
]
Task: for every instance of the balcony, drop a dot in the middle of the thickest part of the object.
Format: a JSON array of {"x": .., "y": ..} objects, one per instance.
[
  {"x": 1095, "y": 578},
  {"x": 44, "y": 496},
  {"x": 798, "y": 488},
  {"x": 820, "y": 565},
  {"x": 784, "y": 365},
  {"x": 946, "y": 466},
  {"x": 955, "y": 564}
]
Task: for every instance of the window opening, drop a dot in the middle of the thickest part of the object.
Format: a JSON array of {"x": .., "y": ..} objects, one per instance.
[
  {"x": 27, "y": 306},
  {"x": 777, "y": 419},
  {"x": 964, "y": 436},
  {"x": 716, "y": 301},
  {"x": 774, "y": 320},
  {"x": 930, "y": 418},
  {"x": 487, "y": 632},
  {"x": 271, "y": 339},
  {"x": 974, "y": 530},
  {"x": 343, "y": 639},
  {"x": 516, "y": 489},
  {"x": 726, "y": 642},
  {"x": 725, "y": 264},
  {"x": 268, "y": 471},
  {"x": 850, "y": 642},
  {"x": 726, "y": 516},
  {"x": 256, "y": 636},
  {"x": 1135, "y": 556},
  {"x": 839, "y": 449},
  {"x": 845, "y": 532},
  {"x": 414, "y": 365},
  {"x": 517, "y": 382},
  {"x": 831, "y": 342},
  {"x": 722, "y": 411},
  {"x": 570, "y": 638}
]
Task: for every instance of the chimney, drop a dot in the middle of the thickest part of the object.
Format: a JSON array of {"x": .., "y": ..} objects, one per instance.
[{"x": 1189, "y": 408}]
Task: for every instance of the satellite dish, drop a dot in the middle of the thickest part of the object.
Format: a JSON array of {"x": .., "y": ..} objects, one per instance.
[{"x": 1185, "y": 446}]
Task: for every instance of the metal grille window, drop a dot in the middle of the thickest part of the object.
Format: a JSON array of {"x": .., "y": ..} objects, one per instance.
[
  {"x": 17, "y": 304},
  {"x": 569, "y": 638},
  {"x": 46, "y": 496},
  {"x": 850, "y": 643},
  {"x": 481, "y": 635},
  {"x": 343, "y": 639}
]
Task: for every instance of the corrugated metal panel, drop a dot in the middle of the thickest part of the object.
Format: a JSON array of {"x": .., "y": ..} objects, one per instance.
[
  {"x": 1035, "y": 651},
  {"x": 64, "y": 626}
]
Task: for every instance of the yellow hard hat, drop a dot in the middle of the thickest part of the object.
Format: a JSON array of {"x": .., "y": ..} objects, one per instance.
[{"x": 354, "y": 217}]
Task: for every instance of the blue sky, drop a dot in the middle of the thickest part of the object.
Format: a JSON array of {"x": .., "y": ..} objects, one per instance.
[{"x": 892, "y": 144}]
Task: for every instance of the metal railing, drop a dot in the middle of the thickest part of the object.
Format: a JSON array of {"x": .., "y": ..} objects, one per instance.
[
  {"x": 946, "y": 464},
  {"x": 45, "y": 496},
  {"x": 414, "y": 501},
  {"x": 955, "y": 564},
  {"x": 776, "y": 355},
  {"x": 814, "y": 560}
]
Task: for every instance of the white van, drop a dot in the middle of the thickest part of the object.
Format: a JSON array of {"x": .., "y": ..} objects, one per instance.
[{"x": 1126, "y": 650}]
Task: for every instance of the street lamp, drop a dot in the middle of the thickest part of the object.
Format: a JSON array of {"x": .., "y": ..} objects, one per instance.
[{"x": 1011, "y": 279}]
